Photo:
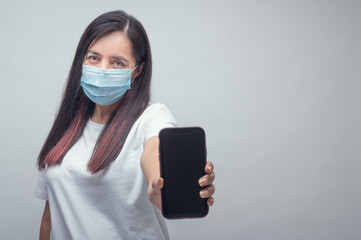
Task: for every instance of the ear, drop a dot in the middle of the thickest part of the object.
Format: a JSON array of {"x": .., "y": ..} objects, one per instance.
[{"x": 139, "y": 70}]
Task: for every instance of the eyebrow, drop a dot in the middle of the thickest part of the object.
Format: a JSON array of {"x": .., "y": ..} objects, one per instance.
[
  {"x": 115, "y": 57},
  {"x": 120, "y": 58}
]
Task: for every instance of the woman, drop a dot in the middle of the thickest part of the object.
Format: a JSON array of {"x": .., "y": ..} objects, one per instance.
[{"x": 99, "y": 169}]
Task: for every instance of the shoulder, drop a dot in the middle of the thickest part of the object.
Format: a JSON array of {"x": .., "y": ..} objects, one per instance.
[
  {"x": 155, "y": 107},
  {"x": 154, "y": 113},
  {"x": 154, "y": 118},
  {"x": 156, "y": 110}
]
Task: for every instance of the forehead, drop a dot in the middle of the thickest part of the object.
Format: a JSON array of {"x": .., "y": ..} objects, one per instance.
[{"x": 113, "y": 44}]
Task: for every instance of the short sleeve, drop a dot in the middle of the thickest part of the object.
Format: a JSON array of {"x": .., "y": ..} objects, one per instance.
[
  {"x": 41, "y": 189},
  {"x": 157, "y": 117}
]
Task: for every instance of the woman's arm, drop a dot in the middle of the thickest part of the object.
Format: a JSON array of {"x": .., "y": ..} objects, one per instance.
[
  {"x": 150, "y": 167},
  {"x": 45, "y": 226}
]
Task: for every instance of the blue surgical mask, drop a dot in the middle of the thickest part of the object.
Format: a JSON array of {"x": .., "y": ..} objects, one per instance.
[{"x": 105, "y": 86}]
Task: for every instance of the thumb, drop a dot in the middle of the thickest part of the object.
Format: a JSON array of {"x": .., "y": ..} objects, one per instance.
[{"x": 158, "y": 184}]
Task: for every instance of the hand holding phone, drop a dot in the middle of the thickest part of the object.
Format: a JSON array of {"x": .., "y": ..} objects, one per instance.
[{"x": 182, "y": 155}]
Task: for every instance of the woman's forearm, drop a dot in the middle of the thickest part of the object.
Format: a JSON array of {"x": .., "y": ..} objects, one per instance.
[
  {"x": 150, "y": 167},
  {"x": 45, "y": 226},
  {"x": 150, "y": 160}
]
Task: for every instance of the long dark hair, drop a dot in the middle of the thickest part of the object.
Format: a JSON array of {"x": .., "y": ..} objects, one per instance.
[{"x": 76, "y": 109}]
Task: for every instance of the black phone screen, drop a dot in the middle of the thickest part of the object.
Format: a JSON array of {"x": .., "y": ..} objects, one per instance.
[{"x": 182, "y": 155}]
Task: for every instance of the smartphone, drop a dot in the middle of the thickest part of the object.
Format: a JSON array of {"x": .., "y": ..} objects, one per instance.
[{"x": 182, "y": 156}]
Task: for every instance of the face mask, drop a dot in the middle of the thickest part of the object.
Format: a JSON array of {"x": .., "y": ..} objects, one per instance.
[{"x": 105, "y": 86}]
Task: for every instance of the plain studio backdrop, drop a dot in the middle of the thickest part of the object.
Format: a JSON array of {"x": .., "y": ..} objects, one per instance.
[{"x": 275, "y": 84}]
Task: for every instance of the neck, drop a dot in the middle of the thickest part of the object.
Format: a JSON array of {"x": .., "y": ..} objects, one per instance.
[{"x": 102, "y": 113}]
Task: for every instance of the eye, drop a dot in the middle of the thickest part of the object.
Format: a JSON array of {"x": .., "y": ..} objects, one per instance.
[
  {"x": 118, "y": 64},
  {"x": 93, "y": 58}
]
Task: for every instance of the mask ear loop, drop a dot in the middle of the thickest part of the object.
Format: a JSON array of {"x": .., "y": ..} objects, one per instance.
[{"x": 131, "y": 72}]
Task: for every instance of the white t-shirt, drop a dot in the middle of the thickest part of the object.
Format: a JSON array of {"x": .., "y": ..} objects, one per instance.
[{"x": 113, "y": 203}]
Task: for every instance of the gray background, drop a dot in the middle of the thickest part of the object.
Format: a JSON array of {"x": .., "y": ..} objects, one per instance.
[{"x": 275, "y": 84}]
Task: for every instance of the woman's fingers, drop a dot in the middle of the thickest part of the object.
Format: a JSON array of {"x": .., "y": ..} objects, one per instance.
[
  {"x": 210, "y": 201},
  {"x": 154, "y": 192},
  {"x": 207, "y": 192},
  {"x": 207, "y": 179},
  {"x": 209, "y": 167},
  {"x": 158, "y": 184}
]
